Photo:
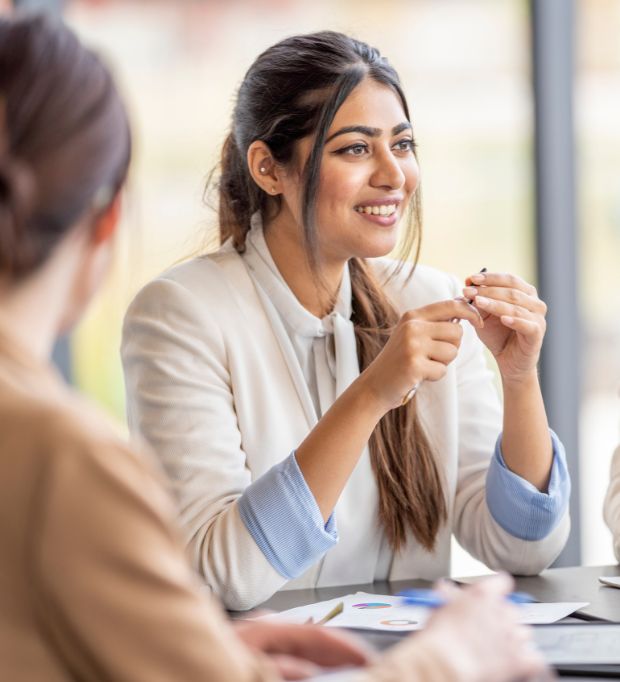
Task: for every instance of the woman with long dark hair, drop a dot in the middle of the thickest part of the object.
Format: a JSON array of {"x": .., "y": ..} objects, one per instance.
[{"x": 326, "y": 414}]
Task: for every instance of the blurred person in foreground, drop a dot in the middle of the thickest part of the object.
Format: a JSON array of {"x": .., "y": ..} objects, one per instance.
[{"x": 94, "y": 584}]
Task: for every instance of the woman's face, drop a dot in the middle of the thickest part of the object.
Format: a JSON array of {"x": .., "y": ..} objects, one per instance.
[{"x": 368, "y": 175}]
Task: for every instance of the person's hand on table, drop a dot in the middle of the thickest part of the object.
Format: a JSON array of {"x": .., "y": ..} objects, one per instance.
[
  {"x": 480, "y": 632},
  {"x": 301, "y": 651}
]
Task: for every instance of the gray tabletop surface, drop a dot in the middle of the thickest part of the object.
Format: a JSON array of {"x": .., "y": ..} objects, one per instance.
[{"x": 553, "y": 585}]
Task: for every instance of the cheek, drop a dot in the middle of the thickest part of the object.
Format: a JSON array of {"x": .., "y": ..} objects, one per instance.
[
  {"x": 339, "y": 188},
  {"x": 412, "y": 176}
]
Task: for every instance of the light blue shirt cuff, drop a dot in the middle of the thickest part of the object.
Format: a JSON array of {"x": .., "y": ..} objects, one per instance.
[
  {"x": 282, "y": 516},
  {"x": 518, "y": 506}
]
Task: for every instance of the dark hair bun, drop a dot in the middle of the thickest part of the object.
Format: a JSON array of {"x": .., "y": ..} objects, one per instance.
[
  {"x": 64, "y": 138},
  {"x": 17, "y": 194}
]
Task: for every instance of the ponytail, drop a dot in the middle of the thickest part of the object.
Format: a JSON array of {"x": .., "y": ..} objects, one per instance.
[
  {"x": 234, "y": 196},
  {"x": 408, "y": 479}
]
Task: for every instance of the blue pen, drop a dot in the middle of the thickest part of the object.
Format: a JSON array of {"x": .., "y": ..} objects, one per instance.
[{"x": 433, "y": 600}]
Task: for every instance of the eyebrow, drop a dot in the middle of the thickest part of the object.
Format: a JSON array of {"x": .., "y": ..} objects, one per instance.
[{"x": 368, "y": 131}]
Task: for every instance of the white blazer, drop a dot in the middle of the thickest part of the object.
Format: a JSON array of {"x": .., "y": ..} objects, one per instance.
[
  {"x": 211, "y": 388},
  {"x": 611, "y": 507}
]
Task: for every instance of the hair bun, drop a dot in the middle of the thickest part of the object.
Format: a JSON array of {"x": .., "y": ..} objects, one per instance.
[{"x": 17, "y": 194}]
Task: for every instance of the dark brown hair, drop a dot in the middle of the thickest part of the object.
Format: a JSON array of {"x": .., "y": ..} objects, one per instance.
[
  {"x": 293, "y": 90},
  {"x": 64, "y": 138}
]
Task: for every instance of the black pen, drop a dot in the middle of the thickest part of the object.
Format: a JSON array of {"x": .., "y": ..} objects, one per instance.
[
  {"x": 467, "y": 300},
  {"x": 470, "y": 301}
]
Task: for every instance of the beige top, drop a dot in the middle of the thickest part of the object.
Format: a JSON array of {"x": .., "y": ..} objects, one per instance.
[{"x": 94, "y": 584}]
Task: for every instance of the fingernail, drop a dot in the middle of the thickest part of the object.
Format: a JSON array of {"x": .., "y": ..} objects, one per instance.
[
  {"x": 482, "y": 300},
  {"x": 470, "y": 292},
  {"x": 477, "y": 278},
  {"x": 506, "y": 319}
]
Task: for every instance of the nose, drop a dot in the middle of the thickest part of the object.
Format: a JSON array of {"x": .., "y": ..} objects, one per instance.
[{"x": 388, "y": 172}]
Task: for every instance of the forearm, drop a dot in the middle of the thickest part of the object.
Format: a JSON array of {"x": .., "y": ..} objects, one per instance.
[
  {"x": 526, "y": 443},
  {"x": 329, "y": 454}
]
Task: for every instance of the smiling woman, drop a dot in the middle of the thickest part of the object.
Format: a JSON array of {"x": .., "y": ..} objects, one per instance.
[{"x": 325, "y": 413}]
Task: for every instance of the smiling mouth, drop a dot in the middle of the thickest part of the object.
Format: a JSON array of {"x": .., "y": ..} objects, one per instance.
[{"x": 382, "y": 209}]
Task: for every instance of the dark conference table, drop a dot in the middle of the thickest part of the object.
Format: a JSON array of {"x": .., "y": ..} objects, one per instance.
[{"x": 553, "y": 585}]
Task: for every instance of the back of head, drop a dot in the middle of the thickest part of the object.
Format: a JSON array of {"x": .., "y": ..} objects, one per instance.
[{"x": 64, "y": 139}]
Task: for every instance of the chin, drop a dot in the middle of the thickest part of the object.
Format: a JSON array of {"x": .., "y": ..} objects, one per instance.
[{"x": 377, "y": 248}]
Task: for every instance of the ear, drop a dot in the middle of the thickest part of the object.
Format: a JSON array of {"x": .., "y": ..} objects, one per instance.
[
  {"x": 107, "y": 222},
  {"x": 263, "y": 169}
]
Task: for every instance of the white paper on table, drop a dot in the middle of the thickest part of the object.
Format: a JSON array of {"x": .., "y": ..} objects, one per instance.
[
  {"x": 362, "y": 611},
  {"x": 545, "y": 613},
  {"x": 610, "y": 580},
  {"x": 386, "y": 613}
]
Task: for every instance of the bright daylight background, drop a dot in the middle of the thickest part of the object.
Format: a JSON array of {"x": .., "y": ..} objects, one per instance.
[{"x": 465, "y": 65}]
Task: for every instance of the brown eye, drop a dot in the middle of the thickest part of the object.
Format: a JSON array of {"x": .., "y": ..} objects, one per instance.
[
  {"x": 405, "y": 145},
  {"x": 357, "y": 149}
]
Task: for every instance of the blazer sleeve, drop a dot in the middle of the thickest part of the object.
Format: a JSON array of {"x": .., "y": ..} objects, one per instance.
[
  {"x": 611, "y": 507},
  {"x": 180, "y": 400},
  {"x": 479, "y": 425},
  {"x": 116, "y": 596}
]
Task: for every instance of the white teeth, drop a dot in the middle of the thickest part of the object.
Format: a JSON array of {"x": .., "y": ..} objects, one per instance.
[{"x": 384, "y": 209}]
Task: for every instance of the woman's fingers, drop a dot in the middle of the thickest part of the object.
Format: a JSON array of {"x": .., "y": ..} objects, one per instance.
[
  {"x": 324, "y": 646},
  {"x": 296, "y": 644},
  {"x": 433, "y": 331},
  {"x": 529, "y": 329},
  {"x": 450, "y": 310},
  {"x": 514, "y": 296},
  {"x": 499, "y": 584},
  {"x": 499, "y": 308},
  {"x": 292, "y": 668},
  {"x": 434, "y": 371},
  {"x": 420, "y": 348},
  {"x": 443, "y": 352},
  {"x": 479, "y": 628},
  {"x": 501, "y": 279}
]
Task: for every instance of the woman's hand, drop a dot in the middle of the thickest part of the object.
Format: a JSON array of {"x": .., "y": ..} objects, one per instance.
[
  {"x": 514, "y": 322},
  {"x": 301, "y": 651},
  {"x": 422, "y": 345},
  {"x": 478, "y": 634}
]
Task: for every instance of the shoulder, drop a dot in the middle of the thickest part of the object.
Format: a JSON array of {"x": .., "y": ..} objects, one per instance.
[
  {"x": 68, "y": 442},
  {"x": 202, "y": 277},
  {"x": 194, "y": 292},
  {"x": 412, "y": 286}
]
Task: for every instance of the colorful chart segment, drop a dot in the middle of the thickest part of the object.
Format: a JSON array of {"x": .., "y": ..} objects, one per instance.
[{"x": 372, "y": 605}]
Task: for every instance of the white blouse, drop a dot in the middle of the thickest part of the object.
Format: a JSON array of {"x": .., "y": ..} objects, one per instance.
[{"x": 326, "y": 350}]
